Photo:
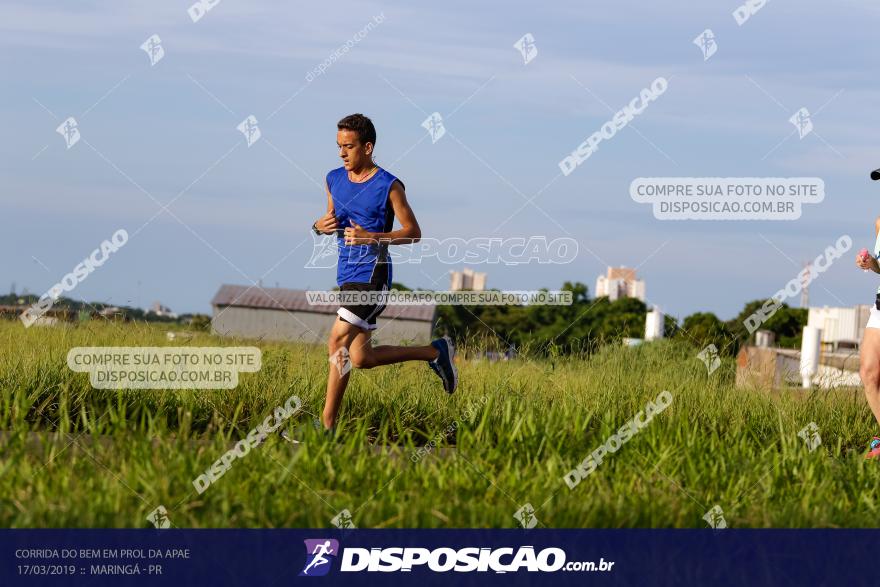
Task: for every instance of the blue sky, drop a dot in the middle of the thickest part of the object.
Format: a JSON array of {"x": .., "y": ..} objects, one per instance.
[{"x": 243, "y": 213}]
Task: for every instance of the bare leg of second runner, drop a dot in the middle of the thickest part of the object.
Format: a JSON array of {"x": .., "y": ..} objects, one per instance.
[{"x": 869, "y": 370}]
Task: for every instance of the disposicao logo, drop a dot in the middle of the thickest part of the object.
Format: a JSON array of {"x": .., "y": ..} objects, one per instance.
[{"x": 318, "y": 553}]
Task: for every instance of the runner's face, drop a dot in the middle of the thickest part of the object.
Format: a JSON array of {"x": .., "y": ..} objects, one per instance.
[{"x": 355, "y": 154}]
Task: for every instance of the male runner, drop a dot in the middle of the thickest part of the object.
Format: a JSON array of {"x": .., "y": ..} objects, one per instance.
[{"x": 362, "y": 202}]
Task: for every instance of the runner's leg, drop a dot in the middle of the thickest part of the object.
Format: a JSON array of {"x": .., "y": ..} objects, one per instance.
[
  {"x": 365, "y": 356},
  {"x": 341, "y": 336},
  {"x": 869, "y": 369}
]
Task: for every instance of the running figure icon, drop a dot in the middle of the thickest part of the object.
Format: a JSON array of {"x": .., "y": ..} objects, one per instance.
[{"x": 319, "y": 552}]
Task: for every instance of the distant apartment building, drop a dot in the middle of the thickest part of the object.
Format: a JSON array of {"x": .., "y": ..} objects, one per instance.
[
  {"x": 159, "y": 310},
  {"x": 467, "y": 279},
  {"x": 620, "y": 282}
]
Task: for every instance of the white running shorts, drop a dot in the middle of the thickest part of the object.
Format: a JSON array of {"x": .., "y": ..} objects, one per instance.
[{"x": 874, "y": 318}]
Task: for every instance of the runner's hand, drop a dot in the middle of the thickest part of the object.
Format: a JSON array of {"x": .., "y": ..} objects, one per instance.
[
  {"x": 356, "y": 235},
  {"x": 868, "y": 262},
  {"x": 327, "y": 223}
]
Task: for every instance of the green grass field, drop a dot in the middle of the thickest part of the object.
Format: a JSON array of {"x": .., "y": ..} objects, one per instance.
[{"x": 73, "y": 456}]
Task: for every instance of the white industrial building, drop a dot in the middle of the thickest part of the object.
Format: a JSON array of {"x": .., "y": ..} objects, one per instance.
[
  {"x": 654, "y": 327},
  {"x": 828, "y": 356},
  {"x": 775, "y": 368},
  {"x": 841, "y": 327},
  {"x": 620, "y": 282},
  {"x": 271, "y": 313}
]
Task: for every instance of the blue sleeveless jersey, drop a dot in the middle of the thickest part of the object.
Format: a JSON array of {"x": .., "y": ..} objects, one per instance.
[{"x": 368, "y": 205}]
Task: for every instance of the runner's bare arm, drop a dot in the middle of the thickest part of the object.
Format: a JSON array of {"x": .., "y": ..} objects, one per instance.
[
  {"x": 327, "y": 223},
  {"x": 408, "y": 233}
]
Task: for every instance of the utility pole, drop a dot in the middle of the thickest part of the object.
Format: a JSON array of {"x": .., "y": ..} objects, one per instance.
[{"x": 805, "y": 289}]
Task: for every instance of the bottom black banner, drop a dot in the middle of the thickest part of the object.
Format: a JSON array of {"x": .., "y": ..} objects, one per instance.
[{"x": 269, "y": 558}]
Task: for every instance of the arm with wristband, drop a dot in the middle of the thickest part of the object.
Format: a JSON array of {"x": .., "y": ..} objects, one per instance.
[{"x": 326, "y": 224}]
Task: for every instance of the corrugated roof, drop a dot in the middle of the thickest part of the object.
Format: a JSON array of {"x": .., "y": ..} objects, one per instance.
[{"x": 295, "y": 300}]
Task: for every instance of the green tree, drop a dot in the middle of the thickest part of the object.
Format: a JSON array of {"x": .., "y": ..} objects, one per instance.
[
  {"x": 704, "y": 328},
  {"x": 786, "y": 323}
]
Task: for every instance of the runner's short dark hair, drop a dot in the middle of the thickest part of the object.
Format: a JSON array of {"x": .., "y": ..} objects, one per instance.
[{"x": 360, "y": 124}]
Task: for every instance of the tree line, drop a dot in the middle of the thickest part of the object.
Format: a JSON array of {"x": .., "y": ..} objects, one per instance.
[{"x": 588, "y": 323}]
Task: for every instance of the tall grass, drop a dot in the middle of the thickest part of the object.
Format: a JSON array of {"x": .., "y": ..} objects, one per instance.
[{"x": 73, "y": 456}]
